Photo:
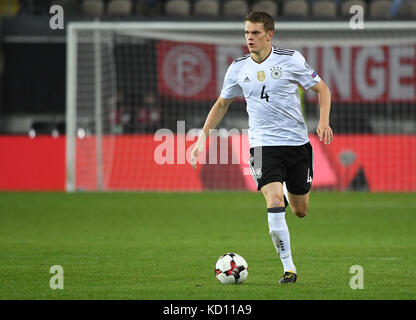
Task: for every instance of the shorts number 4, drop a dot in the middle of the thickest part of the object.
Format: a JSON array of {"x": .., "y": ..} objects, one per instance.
[{"x": 309, "y": 178}]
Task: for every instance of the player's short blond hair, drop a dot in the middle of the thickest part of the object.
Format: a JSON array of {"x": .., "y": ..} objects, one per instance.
[{"x": 261, "y": 17}]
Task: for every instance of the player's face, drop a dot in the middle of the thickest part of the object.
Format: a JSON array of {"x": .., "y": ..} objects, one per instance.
[{"x": 257, "y": 38}]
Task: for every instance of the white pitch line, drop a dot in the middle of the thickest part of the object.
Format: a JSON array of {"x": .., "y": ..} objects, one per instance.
[{"x": 348, "y": 258}]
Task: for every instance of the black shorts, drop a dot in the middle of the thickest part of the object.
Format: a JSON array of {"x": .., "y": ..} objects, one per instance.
[{"x": 290, "y": 164}]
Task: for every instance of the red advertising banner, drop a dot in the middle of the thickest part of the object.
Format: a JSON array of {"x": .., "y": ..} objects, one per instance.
[
  {"x": 367, "y": 74},
  {"x": 357, "y": 74},
  {"x": 382, "y": 162},
  {"x": 186, "y": 71},
  {"x": 32, "y": 164},
  {"x": 378, "y": 163}
]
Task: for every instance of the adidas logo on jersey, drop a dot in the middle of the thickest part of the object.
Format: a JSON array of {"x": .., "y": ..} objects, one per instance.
[{"x": 246, "y": 79}]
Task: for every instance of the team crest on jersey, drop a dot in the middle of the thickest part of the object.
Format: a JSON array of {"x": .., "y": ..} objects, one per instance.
[
  {"x": 276, "y": 74},
  {"x": 261, "y": 76}
]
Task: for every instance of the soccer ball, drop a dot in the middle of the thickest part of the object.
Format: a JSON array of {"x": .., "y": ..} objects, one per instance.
[{"x": 231, "y": 268}]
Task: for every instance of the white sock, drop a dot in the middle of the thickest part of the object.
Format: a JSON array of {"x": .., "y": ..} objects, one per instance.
[{"x": 279, "y": 233}]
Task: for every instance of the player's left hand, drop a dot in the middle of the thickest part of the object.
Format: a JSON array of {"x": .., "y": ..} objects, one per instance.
[{"x": 325, "y": 133}]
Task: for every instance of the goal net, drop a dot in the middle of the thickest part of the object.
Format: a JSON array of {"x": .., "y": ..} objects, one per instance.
[{"x": 138, "y": 94}]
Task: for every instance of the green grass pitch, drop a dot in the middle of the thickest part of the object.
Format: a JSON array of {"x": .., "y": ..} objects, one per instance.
[{"x": 165, "y": 245}]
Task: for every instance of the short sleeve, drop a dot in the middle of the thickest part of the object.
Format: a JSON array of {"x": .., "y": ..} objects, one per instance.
[
  {"x": 230, "y": 88},
  {"x": 303, "y": 72}
]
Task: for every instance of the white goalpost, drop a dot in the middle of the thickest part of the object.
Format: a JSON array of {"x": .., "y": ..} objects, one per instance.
[{"x": 127, "y": 80}]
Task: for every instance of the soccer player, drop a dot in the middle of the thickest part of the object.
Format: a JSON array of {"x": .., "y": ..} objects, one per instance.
[{"x": 281, "y": 154}]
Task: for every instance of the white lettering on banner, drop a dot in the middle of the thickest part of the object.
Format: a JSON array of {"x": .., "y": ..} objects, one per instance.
[
  {"x": 377, "y": 74},
  {"x": 337, "y": 72},
  {"x": 224, "y": 57},
  {"x": 355, "y": 73},
  {"x": 400, "y": 70},
  {"x": 186, "y": 70}
]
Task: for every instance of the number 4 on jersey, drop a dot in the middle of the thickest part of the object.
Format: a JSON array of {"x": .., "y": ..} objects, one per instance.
[{"x": 264, "y": 95}]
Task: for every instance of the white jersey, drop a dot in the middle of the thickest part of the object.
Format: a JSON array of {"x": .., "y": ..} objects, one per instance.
[{"x": 271, "y": 92}]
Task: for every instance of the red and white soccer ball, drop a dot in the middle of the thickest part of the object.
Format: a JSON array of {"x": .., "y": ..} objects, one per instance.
[{"x": 231, "y": 268}]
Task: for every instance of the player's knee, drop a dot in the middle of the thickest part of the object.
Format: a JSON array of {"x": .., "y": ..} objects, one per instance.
[
  {"x": 300, "y": 212},
  {"x": 275, "y": 201}
]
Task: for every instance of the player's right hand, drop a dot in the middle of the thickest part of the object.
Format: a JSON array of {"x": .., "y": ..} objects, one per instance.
[
  {"x": 194, "y": 155},
  {"x": 325, "y": 133}
]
